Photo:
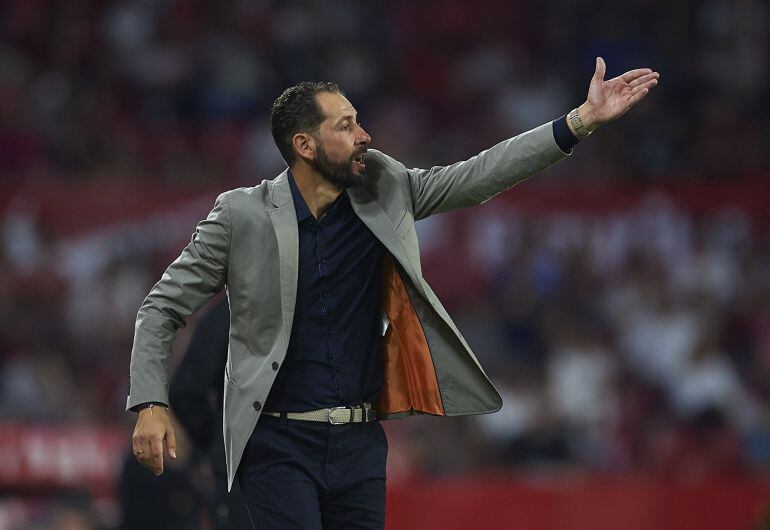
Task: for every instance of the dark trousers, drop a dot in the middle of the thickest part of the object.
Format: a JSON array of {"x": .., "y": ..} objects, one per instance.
[{"x": 314, "y": 476}]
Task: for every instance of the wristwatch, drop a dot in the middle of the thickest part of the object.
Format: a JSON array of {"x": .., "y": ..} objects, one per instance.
[{"x": 577, "y": 124}]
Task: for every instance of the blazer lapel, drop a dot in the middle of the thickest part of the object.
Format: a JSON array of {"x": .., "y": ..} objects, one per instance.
[
  {"x": 375, "y": 218},
  {"x": 284, "y": 219}
]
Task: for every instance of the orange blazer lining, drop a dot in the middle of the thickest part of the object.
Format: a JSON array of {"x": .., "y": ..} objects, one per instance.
[{"x": 410, "y": 377}]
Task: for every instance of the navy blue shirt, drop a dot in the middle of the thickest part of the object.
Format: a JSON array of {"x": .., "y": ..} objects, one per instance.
[{"x": 334, "y": 356}]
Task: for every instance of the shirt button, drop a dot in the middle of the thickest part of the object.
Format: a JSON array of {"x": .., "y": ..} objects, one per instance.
[
  {"x": 325, "y": 293},
  {"x": 275, "y": 367},
  {"x": 257, "y": 405},
  {"x": 323, "y": 260},
  {"x": 339, "y": 369}
]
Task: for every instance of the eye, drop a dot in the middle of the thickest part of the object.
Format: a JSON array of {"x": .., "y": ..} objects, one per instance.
[{"x": 345, "y": 127}]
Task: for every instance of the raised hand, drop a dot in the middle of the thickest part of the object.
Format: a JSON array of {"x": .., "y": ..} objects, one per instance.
[{"x": 608, "y": 100}]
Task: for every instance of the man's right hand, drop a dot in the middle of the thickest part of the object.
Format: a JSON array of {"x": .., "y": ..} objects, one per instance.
[{"x": 153, "y": 428}]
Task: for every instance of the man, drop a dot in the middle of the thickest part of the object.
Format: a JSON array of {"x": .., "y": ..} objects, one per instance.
[{"x": 332, "y": 325}]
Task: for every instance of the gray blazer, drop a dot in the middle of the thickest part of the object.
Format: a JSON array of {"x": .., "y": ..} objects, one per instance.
[{"x": 248, "y": 245}]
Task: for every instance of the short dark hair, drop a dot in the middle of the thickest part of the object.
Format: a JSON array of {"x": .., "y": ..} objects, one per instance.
[{"x": 295, "y": 111}]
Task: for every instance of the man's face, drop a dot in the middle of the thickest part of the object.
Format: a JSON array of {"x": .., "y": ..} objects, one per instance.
[{"x": 340, "y": 142}]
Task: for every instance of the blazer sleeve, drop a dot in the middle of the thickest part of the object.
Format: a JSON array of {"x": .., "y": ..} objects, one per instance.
[
  {"x": 478, "y": 179},
  {"x": 194, "y": 277}
]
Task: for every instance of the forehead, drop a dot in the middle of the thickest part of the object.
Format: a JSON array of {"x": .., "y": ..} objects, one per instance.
[{"x": 334, "y": 106}]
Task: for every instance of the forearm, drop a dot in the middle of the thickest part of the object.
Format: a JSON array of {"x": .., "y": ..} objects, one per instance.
[
  {"x": 193, "y": 278},
  {"x": 478, "y": 179}
]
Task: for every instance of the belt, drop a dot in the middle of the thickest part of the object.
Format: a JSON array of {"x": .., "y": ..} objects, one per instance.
[{"x": 334, "y": 415}]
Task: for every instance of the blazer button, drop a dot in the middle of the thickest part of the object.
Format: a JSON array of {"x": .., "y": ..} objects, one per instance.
[
  {"x": 275, "y": 366},
  {"x": 257, "y": 405}
]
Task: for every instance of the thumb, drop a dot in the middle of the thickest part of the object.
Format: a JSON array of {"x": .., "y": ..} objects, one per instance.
[
  {"x": 601, "y": 68},
  {"x": 171, "y": 442}
]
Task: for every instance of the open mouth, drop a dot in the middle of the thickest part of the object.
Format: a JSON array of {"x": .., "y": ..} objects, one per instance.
[{"x": 359, "y": 161}]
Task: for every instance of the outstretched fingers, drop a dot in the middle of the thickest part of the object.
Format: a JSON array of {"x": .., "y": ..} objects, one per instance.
[
  {"x": 637, "y": 96},
  {"x": 639, "y": 91},
  {"x": 647, "y": 85},
  {"x": 644, "y": 79},
  {"x": 631, "y": 75}
]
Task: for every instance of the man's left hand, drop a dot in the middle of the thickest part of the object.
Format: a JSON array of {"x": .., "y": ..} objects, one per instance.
[{"x": 608, "y": 100}]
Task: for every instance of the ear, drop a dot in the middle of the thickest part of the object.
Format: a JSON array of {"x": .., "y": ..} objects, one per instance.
[{"x": 304, "y": 145}]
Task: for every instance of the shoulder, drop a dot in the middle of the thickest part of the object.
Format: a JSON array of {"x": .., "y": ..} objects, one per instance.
[
  {"x": 247, "y": 205},
  {"x": 387, "y": 181},
  {"x": 250, "y": 193},
  {"x": 384, "y": 171},
  {"x": 380, "y": 162},
  {"x": 246, "y": 197}
]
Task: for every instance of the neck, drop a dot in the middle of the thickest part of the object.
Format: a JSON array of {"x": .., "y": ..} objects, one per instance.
[{"x": 317, "y": 192}]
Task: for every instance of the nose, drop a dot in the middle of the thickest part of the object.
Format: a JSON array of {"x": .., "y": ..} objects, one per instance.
[{"x": 363, "y": 137}]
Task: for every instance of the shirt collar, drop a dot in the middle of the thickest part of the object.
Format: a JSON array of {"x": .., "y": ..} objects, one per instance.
[
  {"x": 303, "y": 212},
  {"x": 300, "y": 206}
]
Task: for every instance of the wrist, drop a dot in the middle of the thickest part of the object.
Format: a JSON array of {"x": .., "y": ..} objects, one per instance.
[
  {"x": 581, "y": 122},
  {"x": 150, "y": 406},
  {"x": 588, "y": 117}
]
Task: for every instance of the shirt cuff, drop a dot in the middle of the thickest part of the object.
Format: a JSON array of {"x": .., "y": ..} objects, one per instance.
[{"x": 565, "y": 138}]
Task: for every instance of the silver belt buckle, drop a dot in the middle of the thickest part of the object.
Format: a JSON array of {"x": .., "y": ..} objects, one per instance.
[{"x": 340, "y": 422}]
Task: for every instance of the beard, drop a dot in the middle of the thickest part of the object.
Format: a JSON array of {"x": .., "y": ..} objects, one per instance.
[{"x": 339, "y": 174}]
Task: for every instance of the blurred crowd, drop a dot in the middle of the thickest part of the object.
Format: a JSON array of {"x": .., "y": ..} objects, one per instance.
[
  {"x": 624, "y": 342},
  {"x": 632, "y": 341},
  {"x": 179, "y": 91},
  {"x": 636, "y": 341}
]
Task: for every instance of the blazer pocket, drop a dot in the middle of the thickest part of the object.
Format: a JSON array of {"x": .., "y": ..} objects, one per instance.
[{"x": 405, "y": 224}]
